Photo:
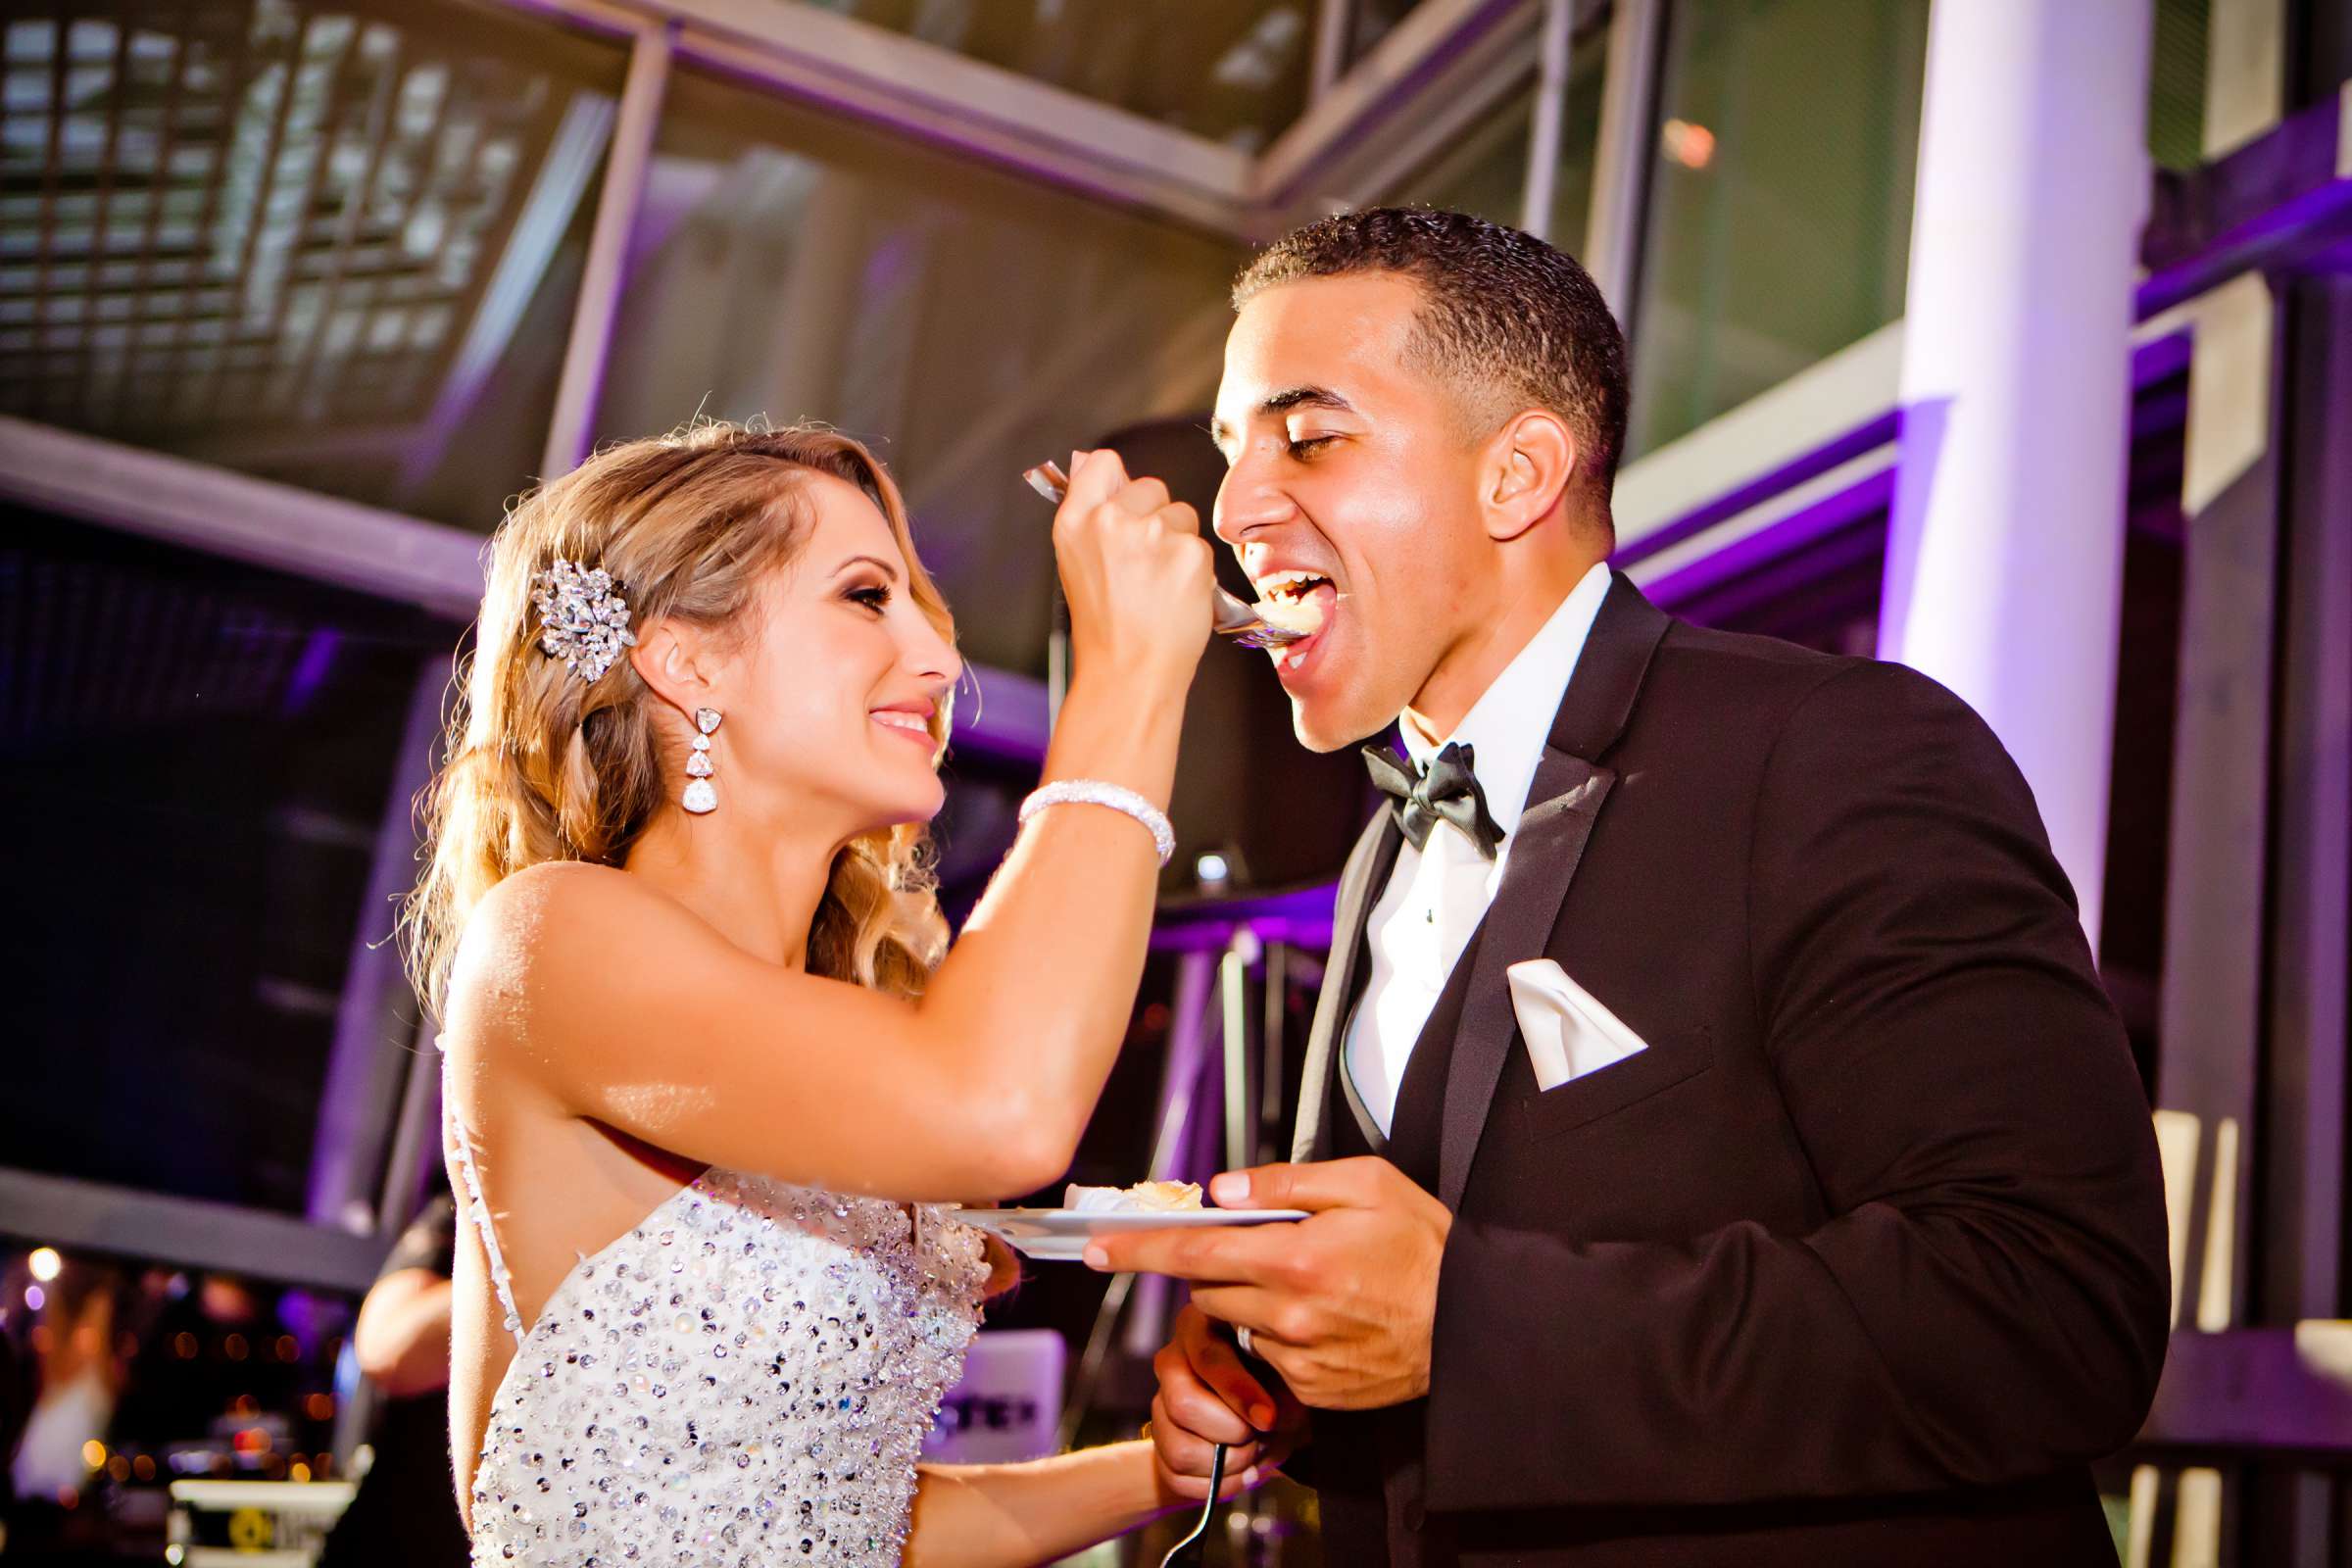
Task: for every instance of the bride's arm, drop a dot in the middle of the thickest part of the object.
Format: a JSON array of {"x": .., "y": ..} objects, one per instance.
[
  {"x": 619, "y": 1005},
  {"x": 1012, "y": 1515},
  {"x": 605, "y": 1000}
]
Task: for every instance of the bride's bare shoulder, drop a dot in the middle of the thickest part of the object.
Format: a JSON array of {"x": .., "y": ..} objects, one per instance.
[{"x": 552, "y": 933}]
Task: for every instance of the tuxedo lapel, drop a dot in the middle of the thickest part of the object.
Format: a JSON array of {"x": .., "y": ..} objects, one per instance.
[
  {"x": 1571, "y": 785},
  {"x": 1366, "y": 872}
]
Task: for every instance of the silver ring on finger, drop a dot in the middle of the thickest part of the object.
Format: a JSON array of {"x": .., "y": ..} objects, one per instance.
[{"x": 1242, "y": 1338}]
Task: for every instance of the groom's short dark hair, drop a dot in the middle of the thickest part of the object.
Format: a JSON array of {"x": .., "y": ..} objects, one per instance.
[{"x": 1511, "y": 323}]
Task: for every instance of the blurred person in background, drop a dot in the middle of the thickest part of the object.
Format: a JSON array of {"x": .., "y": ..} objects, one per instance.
[
  {"x": 1719, "y": 1144},
  {"x": 17, "y": 1392},
  {"x": 62, "y": 1377},
  {"x": 78, "y": 1378},
  {"x": 404, "y": 1512},
  {"x": 709, "y": 1079}
]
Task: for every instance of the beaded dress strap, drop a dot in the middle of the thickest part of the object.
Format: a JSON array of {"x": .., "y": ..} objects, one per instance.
[{"x": 473, "y": 1176}]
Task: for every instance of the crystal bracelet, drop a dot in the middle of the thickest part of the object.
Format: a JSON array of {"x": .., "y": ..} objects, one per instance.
[{"x": 1096, "y": 792}]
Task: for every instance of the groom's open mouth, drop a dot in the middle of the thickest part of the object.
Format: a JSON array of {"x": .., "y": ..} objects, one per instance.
[{"x": 1299, "y": 600}]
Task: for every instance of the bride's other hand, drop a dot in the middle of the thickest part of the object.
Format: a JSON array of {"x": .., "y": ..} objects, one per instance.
[
  {"x": 1137, "y": 574},
  {"x": 1208, "y": 1395}
]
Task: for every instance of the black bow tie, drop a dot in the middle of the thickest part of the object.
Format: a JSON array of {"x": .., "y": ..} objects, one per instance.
[{"x": 1448, "y": 792}]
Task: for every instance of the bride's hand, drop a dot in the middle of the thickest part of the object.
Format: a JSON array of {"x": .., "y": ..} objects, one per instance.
[
  {"x": 1136, "y": 571},
  {"x": 1207, "y": 1397}
]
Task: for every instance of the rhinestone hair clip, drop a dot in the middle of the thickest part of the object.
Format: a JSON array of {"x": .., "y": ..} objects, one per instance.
[{"x": 581, "y": 620}]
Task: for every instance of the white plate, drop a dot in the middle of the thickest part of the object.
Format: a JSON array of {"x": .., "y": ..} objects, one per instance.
[{"x": 1059, "y": 1234}]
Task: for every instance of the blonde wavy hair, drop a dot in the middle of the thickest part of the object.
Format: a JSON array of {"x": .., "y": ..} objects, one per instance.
[{"x": 542, "y": 766}]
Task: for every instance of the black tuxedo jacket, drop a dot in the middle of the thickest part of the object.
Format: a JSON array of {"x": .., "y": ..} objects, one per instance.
[{"x": 1864, "y": 1256}]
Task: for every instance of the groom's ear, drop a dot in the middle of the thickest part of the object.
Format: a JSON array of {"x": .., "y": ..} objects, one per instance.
[
  {"x": 678, "y": 663},
  {"x": 1524, "y": 470}
]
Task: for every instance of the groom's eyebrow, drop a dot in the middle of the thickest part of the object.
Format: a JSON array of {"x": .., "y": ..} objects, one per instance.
[
  {"x": 1282, "y": 402},
  {"x": 1306, "y": 397}
]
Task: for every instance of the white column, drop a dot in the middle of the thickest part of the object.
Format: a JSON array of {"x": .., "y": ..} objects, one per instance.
[{"x": 2004, "y": 553}]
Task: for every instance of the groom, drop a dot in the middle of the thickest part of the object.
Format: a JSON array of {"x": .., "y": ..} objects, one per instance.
[{"x": 1720, "y": 1148}]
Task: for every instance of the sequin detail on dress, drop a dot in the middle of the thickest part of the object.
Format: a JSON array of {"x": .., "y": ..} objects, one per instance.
[{"x": 746, "y": 1377}]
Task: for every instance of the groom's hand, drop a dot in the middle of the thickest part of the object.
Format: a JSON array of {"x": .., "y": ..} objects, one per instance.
[{"x": 1340, "y": 1304}]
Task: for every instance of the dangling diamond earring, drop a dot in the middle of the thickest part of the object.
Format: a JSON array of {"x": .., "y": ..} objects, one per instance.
[{"x": 700, "y": 797}]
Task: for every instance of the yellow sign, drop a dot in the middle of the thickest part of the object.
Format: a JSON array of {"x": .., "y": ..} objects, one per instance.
[{"x": 250, "y": 1529}]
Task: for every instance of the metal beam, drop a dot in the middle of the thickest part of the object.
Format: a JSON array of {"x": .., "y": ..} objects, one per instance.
[
  {"x": 1793, "y": 464},
  {"x": 2283, "y": 1392},
  {"x": 376, "y": 552},
  {"x": 1390, "y": 79},
  {"x": 1808, "y": 425},
  {"x": 1233, "y": 1011},
  {"x": 571, "y": 426},
  {"x": 67, "y": 1212},
  {"x": 1334, "y": 21},
  {"x": 885, "y": 78},
  {"x": 1787, "y": 521},
  {"x": 1180, "y": 1082},
  {"x": 1183, "y": 1089},
  {"x": 368, "y": 1061},
  {"x": 1412, "y": 132},
  {"x": 2207, "y": 1060},
  {"x": 1621, "y": 158},
  {"x": 2275, "y": 204},
  {"x": 1552, "y": 54},
  {"x": 2211, "y": 1007},
  {"x": 570, "y": 160},
  {"x": 257, "y": 520},
  {"x": 2311, "y": 902},
  {"x": 2304, "y": 1056},
  {"x": 415, "y": 1134}
]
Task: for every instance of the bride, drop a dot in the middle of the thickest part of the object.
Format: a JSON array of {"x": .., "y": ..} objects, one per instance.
[{"x": 708, "y": 1086}]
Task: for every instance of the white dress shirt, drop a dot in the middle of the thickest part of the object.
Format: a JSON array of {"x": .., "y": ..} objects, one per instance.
[{"x": 1437, "y": 895}]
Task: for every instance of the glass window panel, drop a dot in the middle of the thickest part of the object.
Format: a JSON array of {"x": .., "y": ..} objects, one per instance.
[
  {"x": 1780, "y": 208},
  {"x": 967, "y": 322},
  {"x": 330, "y": 244},
  {"x": 200, "y": 754},
  {"x": 1371, "y": 21},
  {"x": 1580, "y": 142},
  {"x": 2177, "y": 85},
  {"x": 1485, "y": 173},
  {"x": 1232, "y": 71}
]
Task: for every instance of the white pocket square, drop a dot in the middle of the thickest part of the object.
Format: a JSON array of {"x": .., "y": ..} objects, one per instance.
[{"x": 1568, "y": 1032}]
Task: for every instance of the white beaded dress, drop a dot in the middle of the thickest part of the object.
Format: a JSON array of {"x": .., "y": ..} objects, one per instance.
[{"x": 744, "y": 1379}]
